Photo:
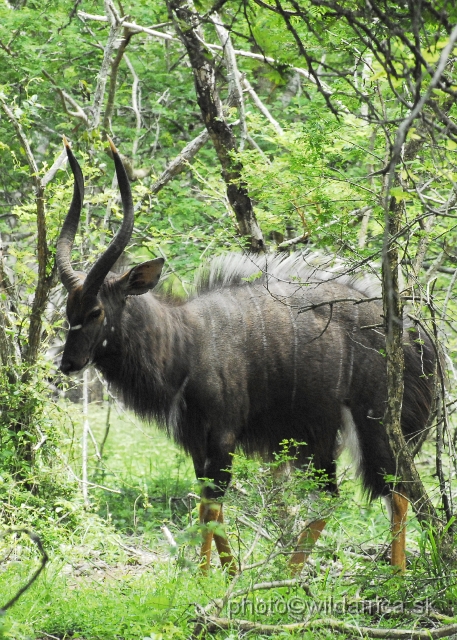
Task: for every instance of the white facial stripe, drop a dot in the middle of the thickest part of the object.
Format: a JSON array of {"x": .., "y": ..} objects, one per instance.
[{"x": 76, "y": 327}]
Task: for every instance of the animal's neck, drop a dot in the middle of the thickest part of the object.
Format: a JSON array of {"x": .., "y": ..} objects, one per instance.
[{"x": 145, "y": 357}]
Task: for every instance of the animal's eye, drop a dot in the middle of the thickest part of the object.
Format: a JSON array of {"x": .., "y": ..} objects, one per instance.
[{"x": 93, "y": 315}]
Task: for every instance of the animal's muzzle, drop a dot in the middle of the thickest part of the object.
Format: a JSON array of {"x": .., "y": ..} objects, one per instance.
[{"x": 69, "y": 366}]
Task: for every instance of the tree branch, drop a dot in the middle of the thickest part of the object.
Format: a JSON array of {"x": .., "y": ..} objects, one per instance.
[
  {"x": 135, "y": 104},
  {"x": 181, "y": 161},
  {"x": 115, "y": 25},
  {"x": 233, "y": 75},
  {"x": 79, "y": 113},
  {"x": 113, "y": 78},
  {"x": 136, "y": 28},
  {"x": 260, "y": 105}
]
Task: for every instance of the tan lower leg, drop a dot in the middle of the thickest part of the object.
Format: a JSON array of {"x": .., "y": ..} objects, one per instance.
[
  {"x": 399, "y": 512},
  {"x": 209, "y": 512},
  {"x": 212, "y": 512},
  {"x": 306, "y": 542},
  {"x": 223, "y": 549}
]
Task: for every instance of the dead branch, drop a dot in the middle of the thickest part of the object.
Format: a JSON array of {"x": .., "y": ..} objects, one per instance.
[
  {"x": 233, "y": 74},
  {"x": 57, "y": 164},
  {"x": 260, "y": 105},
  {"x": 212, "y": 624},
  {"x": 113, "y": 78},
  {"x": 135, "y": 104},
  {"x": 181, "y": 161},
  {"x": 116, "y": 23},
  {"x": 287, "y": 244},
  {"x": 136, "y": 28}
]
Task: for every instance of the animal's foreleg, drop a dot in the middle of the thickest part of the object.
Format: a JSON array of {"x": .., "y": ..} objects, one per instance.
[
  {"x": 212, "y": 512},
  {"x": 398, "y": 524},
  {"x": 306, "y": 542},
  {"x": 223, "y": 549},
  {"x": 217, "y": 464},
  {"x": 209, "y": 512}
]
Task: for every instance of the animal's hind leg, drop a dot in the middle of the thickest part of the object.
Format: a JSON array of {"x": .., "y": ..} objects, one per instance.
[
  {"x": 223, "y": 549},
  {"x": 311, "y": 534},
  {"x": 306, "y": 542},
  {"x": 376, "y": 462},
  {"x": 398, "y": 519}
]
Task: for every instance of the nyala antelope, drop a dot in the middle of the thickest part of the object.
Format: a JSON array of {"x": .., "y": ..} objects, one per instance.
[{"x": 238, "y": 366}]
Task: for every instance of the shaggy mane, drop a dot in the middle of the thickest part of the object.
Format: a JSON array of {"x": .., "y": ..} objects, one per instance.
[{"x": 237, "y": 269}]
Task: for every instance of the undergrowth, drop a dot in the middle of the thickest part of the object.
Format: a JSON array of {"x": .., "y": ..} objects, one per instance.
[{"x": 125, "y": 565}]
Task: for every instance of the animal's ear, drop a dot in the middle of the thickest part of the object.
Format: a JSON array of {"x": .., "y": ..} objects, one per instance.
[{"x": 141, "y": 278}]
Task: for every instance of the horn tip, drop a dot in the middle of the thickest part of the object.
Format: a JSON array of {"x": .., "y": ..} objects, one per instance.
[
  {"x": 112, "y": 145},
  {"x": 66, "y": 143}
]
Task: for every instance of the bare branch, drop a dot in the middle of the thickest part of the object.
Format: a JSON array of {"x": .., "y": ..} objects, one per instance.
[
  {"x": 233, "y": 74},
  {"x": 57, "y": 164},
  {"x": 181, "y": 161},
  {"x": 292, "y": 242},
  {"x": 135, "y": 104},
  {"x": 131, "y": 26},
  {"x": 113, "y": 78},
  {"x": 136, "y": 28},
  {"x": 66, "y": 97},
  {"x": 115, "y": 26},
  {"x": 260, "y": 105},
  {"x": 213, "y": 624}
]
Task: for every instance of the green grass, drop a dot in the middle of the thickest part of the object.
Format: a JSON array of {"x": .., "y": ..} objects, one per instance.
[
  {"x": 122, "y": 603},
  {"x": 143, "y": 465}
]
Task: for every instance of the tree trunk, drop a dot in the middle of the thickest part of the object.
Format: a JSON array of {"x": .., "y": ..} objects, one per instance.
[
  {"x": 393, "y": 313},
  {"x": 187, "y": 23}
]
